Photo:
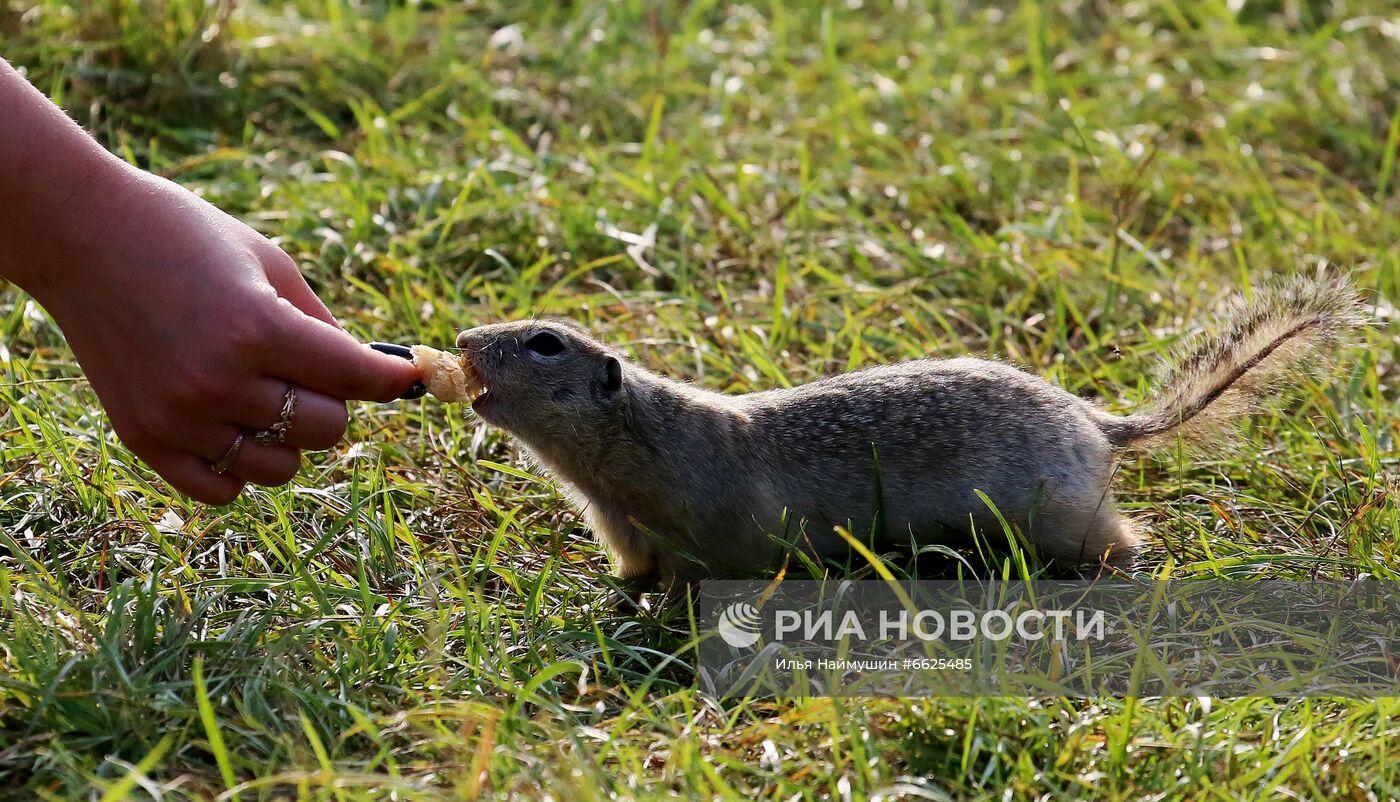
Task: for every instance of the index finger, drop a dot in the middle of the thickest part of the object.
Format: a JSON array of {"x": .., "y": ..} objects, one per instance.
[{"x": 318, "y": 356}]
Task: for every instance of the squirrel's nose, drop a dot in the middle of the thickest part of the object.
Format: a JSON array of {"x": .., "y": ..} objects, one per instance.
[{"x": 462, "y": 339}]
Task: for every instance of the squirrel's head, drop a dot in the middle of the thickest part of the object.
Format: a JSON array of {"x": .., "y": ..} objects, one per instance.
[{"x": 546, "y": 380}]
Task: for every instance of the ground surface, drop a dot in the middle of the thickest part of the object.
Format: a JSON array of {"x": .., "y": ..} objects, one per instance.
[{"x": 742, "y": 197}]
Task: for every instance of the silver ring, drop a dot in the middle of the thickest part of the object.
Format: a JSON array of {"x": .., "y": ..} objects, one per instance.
[
  {"x": 226, "y": 461},
  {"x": 277, "y": 432}
]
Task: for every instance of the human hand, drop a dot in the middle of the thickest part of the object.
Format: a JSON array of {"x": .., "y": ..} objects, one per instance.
[{"x": 191, "y": 326}]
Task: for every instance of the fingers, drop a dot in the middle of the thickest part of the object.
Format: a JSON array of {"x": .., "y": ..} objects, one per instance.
[
  {"x": 270, "y": 465},
  {"x": 318, "y": 356},
  {"x": 191, "y": 475},
  {"x": 194, "y": 476},
  {"x": 318, "y": 421}
]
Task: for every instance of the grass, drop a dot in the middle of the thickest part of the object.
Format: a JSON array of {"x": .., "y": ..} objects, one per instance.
[{"x": 746, "y": 197}]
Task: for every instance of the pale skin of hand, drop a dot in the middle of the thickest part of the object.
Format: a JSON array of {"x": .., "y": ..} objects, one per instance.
[{"x": 189, "y": 324}]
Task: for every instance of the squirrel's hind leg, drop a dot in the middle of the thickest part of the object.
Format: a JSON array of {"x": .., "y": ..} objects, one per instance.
[{"x": 1089, "y": 536}]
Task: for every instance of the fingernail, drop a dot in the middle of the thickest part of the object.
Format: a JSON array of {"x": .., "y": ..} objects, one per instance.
[{"x": 418, "y": 390}]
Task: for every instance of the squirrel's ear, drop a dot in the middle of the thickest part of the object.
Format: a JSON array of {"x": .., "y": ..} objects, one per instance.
[{"x": 610, "y": 376}]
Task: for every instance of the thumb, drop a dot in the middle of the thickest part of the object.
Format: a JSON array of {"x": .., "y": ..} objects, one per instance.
[
  {"x": 286, "y": 279},
  {"x": 311, "y": 353}
]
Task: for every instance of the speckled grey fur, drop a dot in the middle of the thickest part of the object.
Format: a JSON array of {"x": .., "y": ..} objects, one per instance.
[{"x": 680, "y": 482}]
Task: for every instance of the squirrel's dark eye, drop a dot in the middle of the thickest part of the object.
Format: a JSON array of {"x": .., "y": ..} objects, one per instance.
[{"x": 545, "y": 343}]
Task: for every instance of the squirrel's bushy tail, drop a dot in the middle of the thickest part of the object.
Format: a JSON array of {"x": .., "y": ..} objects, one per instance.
[{"x": 1262, "y": 344}]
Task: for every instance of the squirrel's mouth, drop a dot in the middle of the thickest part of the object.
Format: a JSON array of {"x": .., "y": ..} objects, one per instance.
[{"x": 474, "y": 386}]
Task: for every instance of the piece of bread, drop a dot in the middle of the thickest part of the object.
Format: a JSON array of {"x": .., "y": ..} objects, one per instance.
[{"x": 448, "y": 377}]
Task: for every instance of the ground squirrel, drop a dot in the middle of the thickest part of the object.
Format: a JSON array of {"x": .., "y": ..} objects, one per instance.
[{"x": 681, "y": 482}]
